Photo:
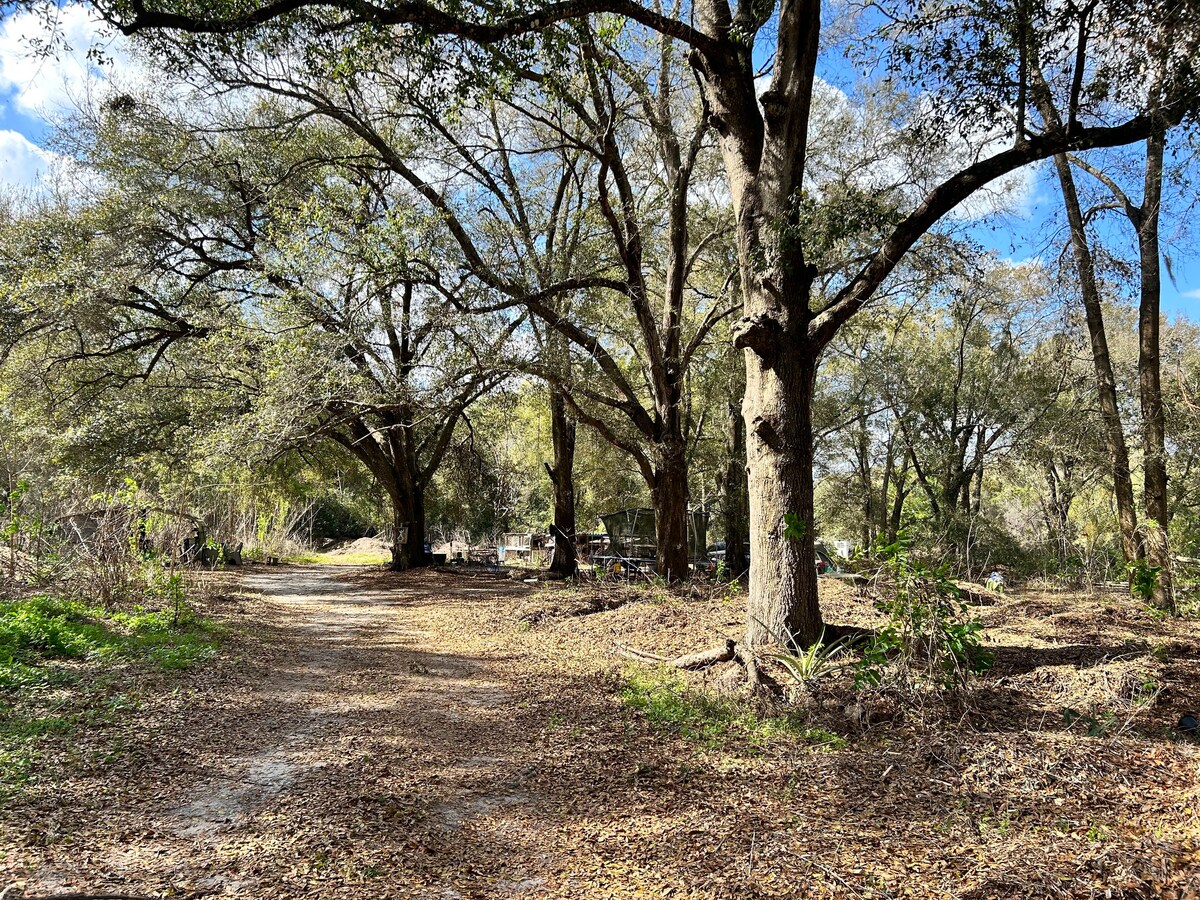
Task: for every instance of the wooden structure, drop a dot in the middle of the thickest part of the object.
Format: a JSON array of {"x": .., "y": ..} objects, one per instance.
[{"x": 524, "y": 548}]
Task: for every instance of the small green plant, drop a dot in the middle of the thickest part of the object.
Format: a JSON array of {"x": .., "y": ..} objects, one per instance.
[
  {"x": 1147, "y": 692},
  {"x": 809, "y": 665},
  {"x": 1143, "y": 579},
  {"x": 1096, "y": 726},
  {"x": 793, "y": 526},
  {"x": 877, "y": 653},
  {"x": 997, "y": 825},
  {"x": 928, "y": 631}
]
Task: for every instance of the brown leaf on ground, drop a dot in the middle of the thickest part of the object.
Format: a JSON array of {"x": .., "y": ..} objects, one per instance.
[{"x": 371, "y": 734}]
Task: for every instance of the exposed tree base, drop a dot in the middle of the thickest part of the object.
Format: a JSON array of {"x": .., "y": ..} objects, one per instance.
[{"x": 849, "y": 635}]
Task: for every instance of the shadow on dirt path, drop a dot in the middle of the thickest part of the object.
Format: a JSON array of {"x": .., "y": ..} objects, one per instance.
[{"x": 365, "y": 696}]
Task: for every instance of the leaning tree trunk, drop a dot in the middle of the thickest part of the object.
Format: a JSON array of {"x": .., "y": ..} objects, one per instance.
[
  {"x": 670, "y": 497},
  {"x": 1158, "y": 552},
  {"x": 562, "y": 479},
  {"x": 1106, "y": 385},
  {"x": 783, "y": 601},
  {"x": 734, "y": 490}
]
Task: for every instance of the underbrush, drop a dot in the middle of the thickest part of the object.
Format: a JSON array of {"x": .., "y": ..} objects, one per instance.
[
  {"x": 666, "y": 702},
  {"x": 67, "y": 665}
]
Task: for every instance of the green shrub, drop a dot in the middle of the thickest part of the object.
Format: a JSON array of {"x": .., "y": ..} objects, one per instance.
[{"x": 928, "y": 632}]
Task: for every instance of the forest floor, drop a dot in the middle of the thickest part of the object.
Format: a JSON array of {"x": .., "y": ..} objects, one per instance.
[{"x": 368, "y": 734}]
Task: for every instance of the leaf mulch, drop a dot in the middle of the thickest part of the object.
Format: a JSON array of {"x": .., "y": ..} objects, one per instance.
[{"x": 372, "y": 735}]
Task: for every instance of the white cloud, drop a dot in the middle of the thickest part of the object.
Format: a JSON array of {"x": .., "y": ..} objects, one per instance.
[
  {"x": 23, "y": 163},
  {"x": 41, "y": 85},
  {"x": 1191, "y": 295}
]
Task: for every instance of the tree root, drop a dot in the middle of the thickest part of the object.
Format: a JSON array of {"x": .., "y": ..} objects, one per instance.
[
  {"x": 760, "y": 682},
  {"x": 701, "y": 660}
]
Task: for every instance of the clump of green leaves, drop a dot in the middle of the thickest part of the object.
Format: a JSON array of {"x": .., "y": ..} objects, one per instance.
[
  {"x": 1143, "y": 579},
  {"x": 794, "y": 527},
  {"x": 1094, "y": 725},
  {"x": 808, "y": 666},
  {"x": 929, "y": 632}
]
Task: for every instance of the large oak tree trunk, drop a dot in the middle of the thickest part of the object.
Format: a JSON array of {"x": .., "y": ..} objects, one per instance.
[
  {"x": 417, "y": 555},
  {"x": 1149, "y": 375},
  {"x": 562, "y": 478},
  {"x": 402, "y": 516},
  {"x": 1106, "y": 385},
  {"x": 734, "y": 506},
  {"x": 408, "y": 517},
  {"x": 783, "y": 600},
  {"x": 670, "y": 498},
  {"x": 764, "y": 155}
]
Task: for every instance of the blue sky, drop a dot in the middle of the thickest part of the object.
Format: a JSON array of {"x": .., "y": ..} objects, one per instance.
[
  {"x": 36, "y": 89},
  {"x": 1037, "y": 230},
  {"x": 33, "y": 91}
]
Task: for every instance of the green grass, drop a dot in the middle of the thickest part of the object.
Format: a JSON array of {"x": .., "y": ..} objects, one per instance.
[
  {"x": 62, "y": 663},
  {"x": 36, "y": 631},
  {"x": 665, "y": 701}
]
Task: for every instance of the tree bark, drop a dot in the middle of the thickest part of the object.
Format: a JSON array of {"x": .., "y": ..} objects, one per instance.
[
  {"x": 902, "y": 489},
  {"x": 1058, "y": 506},
  {"x": 764, "y": 154},
  {"x": 734, "y": 489},
  {"x": 1150, "y": 379},
  {"x": 670, "y": 497},
  {"x": 1106, "y": 385},
  {"x": 880, "y": 525},
  {"x": 408, "y": 517},
  {"x": 866, "y": 480},
  {"x": 783, "y": 600},
  {"x": 562, "y": 478}
]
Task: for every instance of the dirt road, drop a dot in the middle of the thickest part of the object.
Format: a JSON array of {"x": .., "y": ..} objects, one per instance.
[{"x": 359, "y": 757}]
